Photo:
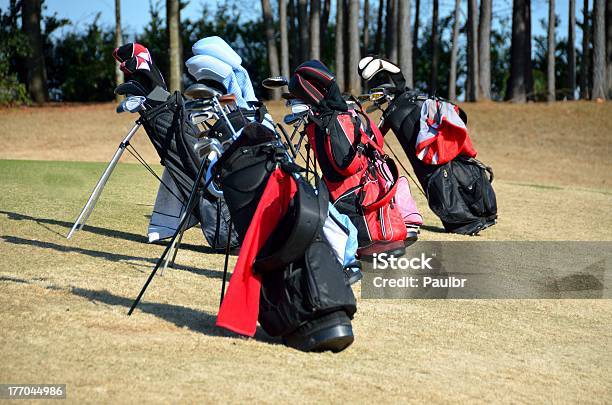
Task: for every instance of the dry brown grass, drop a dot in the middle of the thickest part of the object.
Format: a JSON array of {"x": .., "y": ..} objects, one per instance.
[
  {"x": 562, "y": 143},
  {"x": 65, "y": 302}
]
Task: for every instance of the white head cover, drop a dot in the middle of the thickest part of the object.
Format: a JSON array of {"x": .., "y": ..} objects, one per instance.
[{"x": 369, "y": 66}]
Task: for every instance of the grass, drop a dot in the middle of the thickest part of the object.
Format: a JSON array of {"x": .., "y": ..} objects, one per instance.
[{"x": 65, "y": 302}]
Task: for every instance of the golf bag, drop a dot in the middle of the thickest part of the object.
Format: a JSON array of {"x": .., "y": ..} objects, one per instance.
[
  {"x": 305, "y": 297},
  {"x": 176, "y": 141},
  {"x": 459, "y": 190},
  {"x": 362, "y": 180}
]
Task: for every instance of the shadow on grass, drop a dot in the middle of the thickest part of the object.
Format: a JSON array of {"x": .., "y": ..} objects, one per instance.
[
  {"x": 111, "y": 233},
  {"x": 183, "y": 317},
  {"x": 434, "y": 229},
  {"x": 114, "y": 257}
]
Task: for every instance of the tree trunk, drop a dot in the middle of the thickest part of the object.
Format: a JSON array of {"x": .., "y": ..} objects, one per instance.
[
  {"x": 519, "y": 85},
  {"x": 345, "y": 42},
  {"x": 391, "y": 31},
  {"x": 484, "y": 50},
  {"x": 609, "y": 45},
  {"x": 174, "y": 39},
  {"x": 303, "y": 27},
  {"x": 35, "y": 61},
  {"x": 339, "y": 56},
  {"x": 118, "y": 43},
  {"x": 415, "y": 36},
  {"x": 325, "y": 22},
  {"x": 586, "y": 57},
  {"x": 284, "y": 40},
  {"x": 433, "y": 82},
  {"x": 315, "y": 27},
  {"x": 379, "y": 28},
  {"x": 294, "y": 35},
  {"x": 571, "y": 50},
  {"x": 366, "y": 27},
  {"x": 550, "y": 54},
  {"x": 405, "y": 40},
  {"x": 472, "y": 51},
  {"x": 452, "y": 80},
  {"x": 271, "y": 42},
  {"x": 599, "y": 50},
  {"x": 353, "y": 29}
]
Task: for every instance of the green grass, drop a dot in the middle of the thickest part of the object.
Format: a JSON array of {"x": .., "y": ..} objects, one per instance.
[{"x": 58, "y": 190}]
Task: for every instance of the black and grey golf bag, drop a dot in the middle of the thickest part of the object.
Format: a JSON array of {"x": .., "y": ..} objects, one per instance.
[
  {"x": 459, "y": 192},
  {"x": 305, "y": 297},
  {"x": 181, "y": 151}
]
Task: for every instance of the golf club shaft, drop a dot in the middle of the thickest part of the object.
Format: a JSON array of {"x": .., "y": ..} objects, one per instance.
[
  {"x": 286, "y": 136},
  {"x": 231, "y": 127}
]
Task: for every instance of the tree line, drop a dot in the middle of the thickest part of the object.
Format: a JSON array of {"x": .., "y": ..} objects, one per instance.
[{"x": 472, "y": 53}]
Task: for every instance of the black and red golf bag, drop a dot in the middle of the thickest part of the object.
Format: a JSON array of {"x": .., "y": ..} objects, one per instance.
[
  {"x": 305, "y": 297},
  {"x": 362, "y": 180},
  {"x": 458, "y": 188}
]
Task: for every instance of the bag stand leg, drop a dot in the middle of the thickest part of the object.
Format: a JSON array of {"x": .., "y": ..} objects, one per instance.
[
  {"x": 171, "y": 256},
  {"x": 97, "y": 191},
  {"x": 227, "y": 253},
  {"x": 184, "y": 220},
  {"x": 176, "y": 248}
]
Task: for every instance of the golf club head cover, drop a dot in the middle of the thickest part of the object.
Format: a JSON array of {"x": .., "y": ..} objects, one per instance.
[
  {"x": 137, "y": 63},
  {"x": 313, "y": 83},
  {"x": 216, "y": 47},
  {"x": 207, "y": 67},
  {"x": 130, "y": 50},
  {"x": 372, "y": 65}
]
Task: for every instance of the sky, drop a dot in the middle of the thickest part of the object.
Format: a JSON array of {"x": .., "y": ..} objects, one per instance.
[{"x": 135, "y": 13}]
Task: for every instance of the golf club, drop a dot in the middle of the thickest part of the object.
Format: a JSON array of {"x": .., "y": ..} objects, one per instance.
[{"x": 275, "y": 82}]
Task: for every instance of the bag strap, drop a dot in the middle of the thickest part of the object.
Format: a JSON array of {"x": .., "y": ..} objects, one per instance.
[
  {"x": 332, "y": 116},
  {"x": 484, "y": 167},
  {"x": 386, "y": 198}
]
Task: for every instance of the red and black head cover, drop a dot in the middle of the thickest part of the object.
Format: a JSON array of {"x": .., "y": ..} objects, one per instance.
[
  {"x": 136, "y": 63},
  {"x": 315, "y": 84}
]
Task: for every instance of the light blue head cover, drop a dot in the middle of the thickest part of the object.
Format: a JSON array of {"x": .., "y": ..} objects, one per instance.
[
  {"x": 209, "y": 67},
  {"x": 218, "y": 48}
]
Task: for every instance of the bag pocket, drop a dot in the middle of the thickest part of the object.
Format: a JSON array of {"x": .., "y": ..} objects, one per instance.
[
  {"x": 470, "y": 182},
  {"x": 328, "y": 289},
  {"x": 445, "y": 199},
  {"x": 282, "y": 306},
  {"x": 342, "y": 139}
]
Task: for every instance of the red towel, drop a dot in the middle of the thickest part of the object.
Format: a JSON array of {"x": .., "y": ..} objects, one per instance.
[
  {"x": 442, "y": 135},
  {"x": 240, "y": 307}
]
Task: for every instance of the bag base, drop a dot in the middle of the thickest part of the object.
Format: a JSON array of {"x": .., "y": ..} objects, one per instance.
[{"x": 332, "y": 332}]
